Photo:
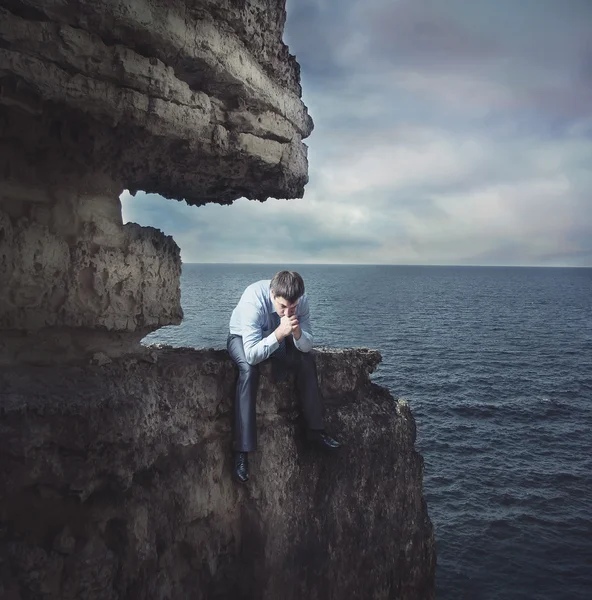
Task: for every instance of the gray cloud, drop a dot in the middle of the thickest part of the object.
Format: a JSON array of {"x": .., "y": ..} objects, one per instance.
[
  {"x": 481, "y": 57},
  {"x": 252, "y": 232},
  {"x": 446, "y": 133}
]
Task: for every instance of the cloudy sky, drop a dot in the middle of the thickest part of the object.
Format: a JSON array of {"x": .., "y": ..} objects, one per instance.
[{"x": 446, "y": 132}]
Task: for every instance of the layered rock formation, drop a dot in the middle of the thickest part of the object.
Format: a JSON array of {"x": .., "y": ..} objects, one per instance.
[
  {"x": 114, "y": 474},
  {"x": 193, "y": 99},
  {"x": 198, "y": 100},
  {"x": 117, "y": 485}
]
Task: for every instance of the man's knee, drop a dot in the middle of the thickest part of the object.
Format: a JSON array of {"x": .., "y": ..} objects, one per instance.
[{"x": 234, "y": 346}]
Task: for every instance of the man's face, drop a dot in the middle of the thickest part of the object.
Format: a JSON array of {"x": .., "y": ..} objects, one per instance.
[{"x": 283, "y": 307}]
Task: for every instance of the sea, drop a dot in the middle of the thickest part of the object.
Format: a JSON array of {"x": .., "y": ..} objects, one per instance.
[{"x": 496, "y": 363}]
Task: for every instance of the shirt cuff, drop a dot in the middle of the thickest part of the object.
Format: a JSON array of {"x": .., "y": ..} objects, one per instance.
[{"x": 303, "y": 344}]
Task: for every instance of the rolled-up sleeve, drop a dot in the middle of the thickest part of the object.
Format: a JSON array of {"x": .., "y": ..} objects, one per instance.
[
  {"x": 304, "y": 344},
  {"x": 257, "y": 348}
]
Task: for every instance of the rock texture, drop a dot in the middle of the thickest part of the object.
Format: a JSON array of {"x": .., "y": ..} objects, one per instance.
[
  {"x": 114, "y": 462},
  {"x": 116, "y": 484},
  {"x": 75, "y": 280},
  {"x": 193, "y": 99}
]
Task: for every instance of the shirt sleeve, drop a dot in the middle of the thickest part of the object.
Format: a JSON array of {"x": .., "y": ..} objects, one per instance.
[
  {"x": 304, "y": 344},
  {"x": 257, "y": 348}
]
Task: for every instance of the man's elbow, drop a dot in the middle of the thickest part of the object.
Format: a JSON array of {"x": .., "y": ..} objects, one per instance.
[{"x": 251, "y": 357}]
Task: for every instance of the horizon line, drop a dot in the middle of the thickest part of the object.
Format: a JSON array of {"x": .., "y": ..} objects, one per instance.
[{"x": 391, "y": 265}]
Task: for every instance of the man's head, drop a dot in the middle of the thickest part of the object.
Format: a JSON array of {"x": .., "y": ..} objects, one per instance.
[{"x": 287, "y": 287}]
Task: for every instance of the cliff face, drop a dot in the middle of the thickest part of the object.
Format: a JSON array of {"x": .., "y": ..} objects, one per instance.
[
  {"x": 114, "y": 461},
  {"x": 117, "y": 485},
  {"x": 195, "y": 99}
]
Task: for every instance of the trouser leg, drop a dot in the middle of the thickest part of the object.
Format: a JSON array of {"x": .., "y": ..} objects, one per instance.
[
  {"x": 305, "y": 368},
  {"x": 245, "y": 425}
]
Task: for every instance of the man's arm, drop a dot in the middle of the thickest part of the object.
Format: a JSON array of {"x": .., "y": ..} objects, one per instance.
[
  {"x": 257, "y": 348},
  {"x": 303, "y": 336}
]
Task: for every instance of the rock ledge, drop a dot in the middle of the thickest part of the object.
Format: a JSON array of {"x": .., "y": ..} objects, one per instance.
[{"x": 116, "y": 484}]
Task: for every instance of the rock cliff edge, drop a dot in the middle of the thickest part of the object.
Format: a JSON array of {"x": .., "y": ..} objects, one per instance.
[
  {"x": 116, "y": 485},
  {"x": 114, "y": 474}
]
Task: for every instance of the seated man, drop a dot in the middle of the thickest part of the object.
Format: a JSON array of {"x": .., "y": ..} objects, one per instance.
[{"x": 271, "y": 320}]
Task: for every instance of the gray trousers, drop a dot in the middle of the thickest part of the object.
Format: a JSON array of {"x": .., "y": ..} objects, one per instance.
[{"x": 304, "y": 366}]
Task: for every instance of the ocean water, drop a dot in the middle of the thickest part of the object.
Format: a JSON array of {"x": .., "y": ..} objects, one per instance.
[{"x": 496, "y": 363}]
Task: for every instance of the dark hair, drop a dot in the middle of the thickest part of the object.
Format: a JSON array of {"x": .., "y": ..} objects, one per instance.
[{"x": 288, "y": 285}]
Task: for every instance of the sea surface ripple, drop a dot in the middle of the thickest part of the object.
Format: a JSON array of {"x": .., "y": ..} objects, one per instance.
[{"x": 496, "y": 363}]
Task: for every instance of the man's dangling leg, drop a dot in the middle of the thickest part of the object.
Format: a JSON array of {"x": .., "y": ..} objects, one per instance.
[
  {"x": 245, "y": 424},
  {"x": 308, "y": 387},
  {"x": 305, "y": 367},
  {"x": 310, "y": 397}
]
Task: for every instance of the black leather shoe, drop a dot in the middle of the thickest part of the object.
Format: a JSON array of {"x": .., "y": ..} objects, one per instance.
[
  {"x": 241, "y": 466},
  {"x": 323, "y": 439}
]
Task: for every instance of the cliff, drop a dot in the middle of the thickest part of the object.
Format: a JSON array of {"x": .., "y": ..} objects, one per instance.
[
  {"x": 114, "y": 474},
  {"x": 194, "y": 99},
  {"x": 116, "y": 484}
]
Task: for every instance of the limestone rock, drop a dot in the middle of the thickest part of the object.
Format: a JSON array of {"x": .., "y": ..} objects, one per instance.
[
  {"x": 127, "y": 492},
  {"x": 115, "y": 476},
  {"x": 75, "y": 280},
  {"x": 191, "y": 99},
  {"x": 99, "y": 359}
]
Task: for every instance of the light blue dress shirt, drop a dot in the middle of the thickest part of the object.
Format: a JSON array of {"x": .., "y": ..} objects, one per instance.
[{"x": 255, "y": 318}]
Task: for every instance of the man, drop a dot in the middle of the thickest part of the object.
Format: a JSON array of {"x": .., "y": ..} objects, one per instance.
[{"x": 272, "y": 320}]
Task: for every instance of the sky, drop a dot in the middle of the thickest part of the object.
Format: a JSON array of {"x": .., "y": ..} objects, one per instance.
[{"x": 447, "y": 132}]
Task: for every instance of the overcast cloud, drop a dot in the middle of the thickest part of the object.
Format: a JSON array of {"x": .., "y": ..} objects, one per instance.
[{"x": 454, "y": 132}]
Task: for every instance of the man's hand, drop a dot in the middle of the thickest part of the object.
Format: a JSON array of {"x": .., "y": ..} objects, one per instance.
[
  {"x": 288, "y": 326},
  {"x": 296, "y": 331}
]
